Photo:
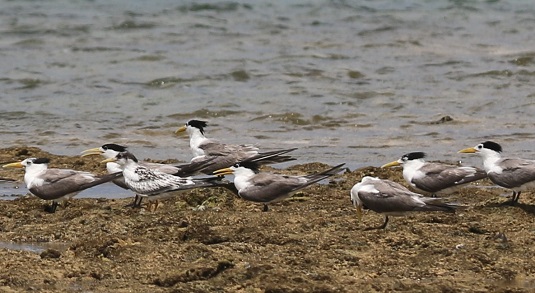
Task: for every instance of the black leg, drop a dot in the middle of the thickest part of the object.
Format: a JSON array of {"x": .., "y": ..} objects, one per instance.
[
  {"x": 266, "y": 208},
  {"x": 136, "y": 203},
  {"x": 51, "y": 208},
  {"x": 514, "y": 198},
  {"x": 380, "y": 227}
]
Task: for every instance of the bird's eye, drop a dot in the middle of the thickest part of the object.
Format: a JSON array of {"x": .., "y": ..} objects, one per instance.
[
  {"x": 479, "y": 146},
  {"x": 236, "y": 165}
]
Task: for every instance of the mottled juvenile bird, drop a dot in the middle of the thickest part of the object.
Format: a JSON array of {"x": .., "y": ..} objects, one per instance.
[
  {"x": 110, "y": 150},
  {"x": 155, "y": 184}
]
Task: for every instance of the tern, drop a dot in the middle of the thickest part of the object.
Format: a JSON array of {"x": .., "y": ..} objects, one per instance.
[
  {"x": 155, "y": 184},
  {"x": 110, "y": 150},
  {"x": 222, "y": 155},
  {"x": 56, "y": 184},
  {"x": 392, "y": 199},
  {"x": 512, "y": 173},
  {"x": 269, "y": 188},
  {"x": 202, "y": 146},
  {"x": 436, "y": 178}
]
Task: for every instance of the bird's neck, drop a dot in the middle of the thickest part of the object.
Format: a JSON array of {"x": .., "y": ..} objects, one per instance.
[
  {"x": 242, "y": 176},
  {"x": 113, "y": 167},
  {"x": 410, "y": 168},
  {"x": 31, "y": 176},
  {"x": 130, "y": 166},
  {"x": 490, "y": 160},
  {"x": 196, "y": 139}
]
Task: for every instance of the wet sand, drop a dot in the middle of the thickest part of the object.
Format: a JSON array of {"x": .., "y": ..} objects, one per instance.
[{"x": 212, "y": 241}]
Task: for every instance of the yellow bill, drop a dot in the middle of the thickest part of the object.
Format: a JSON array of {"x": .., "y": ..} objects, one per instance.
[
  {"x": 391, "y": 164},
  {"x": 13, "y": 165},
  {"x": 224, "y": 171},
  {"x": 181, "y": 129},
  {"x": 109, "y": 160},
  {"x": 468, "y": 150},
  {"x": 90, "y": 152}
]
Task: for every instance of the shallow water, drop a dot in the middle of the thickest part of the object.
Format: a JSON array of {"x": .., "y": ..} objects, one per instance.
[
  {"x": 361, "y": 83},
  {"x": 36, "y": 247}
]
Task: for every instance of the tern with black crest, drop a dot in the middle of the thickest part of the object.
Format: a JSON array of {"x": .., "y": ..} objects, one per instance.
[
  {"x": 56, "y": 185},
  {"x": 223, "y": 155},
  {"x": 513, "y": 173},
  {"x": 435, "y": 178},
  {"x": 267, "y": 188},
  {"x": 200, "y": 145},
  {"x": 392, "y": 199}
]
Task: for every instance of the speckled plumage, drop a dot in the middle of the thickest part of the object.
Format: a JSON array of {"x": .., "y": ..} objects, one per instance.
[{"x": 155, "y": 184}]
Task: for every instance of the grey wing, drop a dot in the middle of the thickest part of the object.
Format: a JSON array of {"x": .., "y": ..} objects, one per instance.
[
  {"x": 54, "y": 191},
  {"x": 390, "y": 187},
  {"x": 266, "y": 187},
  {"x": 441, "y": 176},
  {"x": 388, "y": 200},
  {"x": 217, "y": 162},
  {"x": 515, "y": 173},
  {"x": 61, "y": 182},
  {"x": 54, "y": 175},
  {"x": 214, "y": 148},
  {"x": 397, "y": 198},
  {"x": 165, "y": 168}
]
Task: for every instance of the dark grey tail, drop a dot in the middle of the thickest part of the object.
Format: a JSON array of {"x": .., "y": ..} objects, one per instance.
[
  {"x": 272, "y": 157},
  {"x": 325, "y": 174},
  {"x": 313, "y": 178},
  {"x": 436, "y": 204},
  {"x": 193, "y": 168},
  {"x": 102, "y": 179}
]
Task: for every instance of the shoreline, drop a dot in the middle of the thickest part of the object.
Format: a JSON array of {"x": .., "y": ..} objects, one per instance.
[{"x": 309, "y": 243}]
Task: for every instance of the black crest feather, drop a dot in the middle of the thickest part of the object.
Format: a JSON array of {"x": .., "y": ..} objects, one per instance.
[
  {"x": 414, "y": 156},
  {"x": 249, "y": 165},
  {"x": 198, "y": 124},
  {"x": 41, "y": 161},
  {"x": 115, "y": 147},
  {"x": 492, "y": 146}
]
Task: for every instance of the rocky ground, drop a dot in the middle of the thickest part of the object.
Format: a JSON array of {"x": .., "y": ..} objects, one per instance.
[{"x": 212, "y": 241}]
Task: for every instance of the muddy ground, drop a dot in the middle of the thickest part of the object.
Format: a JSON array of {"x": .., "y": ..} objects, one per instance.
[{"x": 310, "y": 243}]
